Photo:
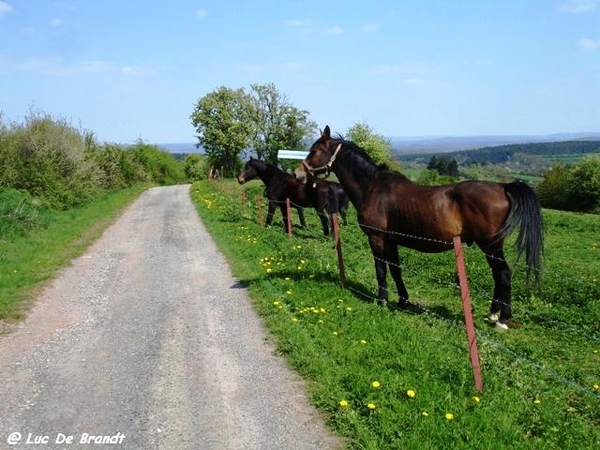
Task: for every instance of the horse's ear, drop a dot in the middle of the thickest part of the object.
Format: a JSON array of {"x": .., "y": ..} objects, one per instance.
[{"x": 326, "y": 133}]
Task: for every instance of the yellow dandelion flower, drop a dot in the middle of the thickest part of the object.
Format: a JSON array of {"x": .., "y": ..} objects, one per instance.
[
  {"x": 335, "y": 333},
  {"x": 288, "y": 292},
  {"x": 343, "y": 403},
  {"x": 371, "y": 406},
  {"x": 596, "y": 386},
  {"x": 425, "y": 414},
  {"x": 476, "y": 399},
  {"x": 411, "y": 393},
  {"x": 362, "y": 341},
  {"x": 269, "y": 270},
  {"x": 449, "y": 416},
  {"x": 276, "y": 303},
  {"x": 376, "y": 384},
  {"x": 537, "y": 401},
  {"x": 294, "y": 319},
  {"x": 348, "y": 309}
]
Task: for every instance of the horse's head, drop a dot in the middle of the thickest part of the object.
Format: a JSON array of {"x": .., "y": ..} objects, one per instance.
[
  {"x": 319, "y": 159},
  {"x": 249, "y": 173}
]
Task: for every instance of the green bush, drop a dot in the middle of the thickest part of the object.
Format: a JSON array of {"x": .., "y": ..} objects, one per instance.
[
  {"x": 572, "y": 188},
  {"x": 19, "y": 213}
]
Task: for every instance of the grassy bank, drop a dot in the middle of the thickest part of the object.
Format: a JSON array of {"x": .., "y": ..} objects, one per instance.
[
  {"x": 36, "y": 242},
  {"x": 395, "y": 380}
]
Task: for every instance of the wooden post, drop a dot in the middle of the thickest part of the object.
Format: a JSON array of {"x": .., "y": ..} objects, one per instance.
[
  {"x": 259, "y": 205},
  {"x": 288, "y": 209},
  {"x": 466, "y": 302},
  {"x": 338, "y": 248}
]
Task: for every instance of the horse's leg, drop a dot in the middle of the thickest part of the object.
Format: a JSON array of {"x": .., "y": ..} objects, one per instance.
[
  {"x": 301, "y": 216},
  {"x": 500, "y": 310},
  {"x": 377, "y": 248},
  {"x": 270, "y": 213},
  {"x": 284, "y": 214},
  {"x": 393, "y": 260},
  {"x": 324, "y": 222}
]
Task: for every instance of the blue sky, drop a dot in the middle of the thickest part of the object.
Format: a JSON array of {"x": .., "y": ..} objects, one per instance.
[{"x": 134, "y": 69}]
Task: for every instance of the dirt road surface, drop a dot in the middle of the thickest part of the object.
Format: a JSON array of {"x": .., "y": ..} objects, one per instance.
[{"x": 147, "y": 342}]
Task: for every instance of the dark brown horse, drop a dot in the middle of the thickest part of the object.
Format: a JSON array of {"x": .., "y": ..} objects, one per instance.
[
  {"x": 393, "y": 211},
  {"x": 325, "y": 196}
]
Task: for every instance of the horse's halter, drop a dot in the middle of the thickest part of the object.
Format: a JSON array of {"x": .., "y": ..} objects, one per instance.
[{"x": 326, "y": 168}]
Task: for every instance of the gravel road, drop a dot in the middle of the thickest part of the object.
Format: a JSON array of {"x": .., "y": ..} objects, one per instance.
[{"x": 148, "y": 342}]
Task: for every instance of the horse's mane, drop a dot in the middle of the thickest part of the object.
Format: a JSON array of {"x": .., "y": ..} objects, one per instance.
[{"x": 361, "y": 160}]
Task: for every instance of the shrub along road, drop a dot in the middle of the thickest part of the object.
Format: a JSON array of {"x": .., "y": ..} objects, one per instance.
[{"x": 148, "y": 340}]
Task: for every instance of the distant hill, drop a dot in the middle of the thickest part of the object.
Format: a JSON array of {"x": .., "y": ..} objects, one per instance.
[
  {"x": 403, "y": 145},
  {"x": 181, "y": 148},
  {"x": 502, "y": 154}
]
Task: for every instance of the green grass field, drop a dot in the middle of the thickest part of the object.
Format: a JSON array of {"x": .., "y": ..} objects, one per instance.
[
  {"x": 35, "y": 242},
  {"x": 386, "y": 379}
]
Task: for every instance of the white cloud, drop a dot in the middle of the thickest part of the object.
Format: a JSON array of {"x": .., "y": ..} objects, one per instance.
[
  {"x": 332, "y": 31},
  {"x": 201, "y": 13},
  {"x": 414, "y": 82},
  {"x": 370, "y": 27},
  {"x": 589, "y": 45},
  {"x": 5, "y": 8},
  {"x": 578, "y": 6}
]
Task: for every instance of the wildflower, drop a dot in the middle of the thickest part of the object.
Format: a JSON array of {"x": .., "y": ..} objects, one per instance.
[
  {"x": 537, "y": 401},
  {"x": 449, "y": 416},
  {"x": 425, "y": 414},
  {"x": 476, "y": 399},
  {"x": 411, "y": 393},
  {"x": 343, "y": 403},
  {"x": 348, "y": 309},
  {"x": 269, "y": 270},
  {"x": 362, "y": 341},
  {"x": 335, "y": 333},
  {"x": 597, "y": 386},
  {"x": 294, "y": 319},
  {"x": 276, "y": 303},
  {"x": 288, "y": 292},
  {"x": 376, "y": 384},
  {"x": 371, "y": 406}
]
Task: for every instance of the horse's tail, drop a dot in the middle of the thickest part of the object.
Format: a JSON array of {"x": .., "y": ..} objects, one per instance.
[{"x": 525, "y": 213}]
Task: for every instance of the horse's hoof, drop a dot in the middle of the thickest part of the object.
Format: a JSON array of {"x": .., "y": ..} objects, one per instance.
[
  {"x": 501, "y": 326},
  {"x": 493, "y": 317}
]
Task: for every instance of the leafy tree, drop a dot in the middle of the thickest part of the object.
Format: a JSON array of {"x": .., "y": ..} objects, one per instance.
[
  {"x": 194, "y": 166},
  {"x": 277, "y": 123},
  {"x": 584, "y": 185},
  {"x": 553, "y": 190},
  {"x": 377, "y": 146},
  {"x": 223, "y": 120},
  {"x": 444, "y": 166}
]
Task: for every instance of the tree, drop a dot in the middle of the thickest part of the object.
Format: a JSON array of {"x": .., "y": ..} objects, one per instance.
[
  {"x": 377, "y": 146},
  {"x": 223, "y": 120},
  {"x": 584, "y": 185},
  {"x": 277, "y": 123}
]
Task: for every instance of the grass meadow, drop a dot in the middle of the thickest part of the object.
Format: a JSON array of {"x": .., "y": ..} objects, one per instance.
[
  {"x": 36, "y": 241},
  {"x": 387, "y": 379}
]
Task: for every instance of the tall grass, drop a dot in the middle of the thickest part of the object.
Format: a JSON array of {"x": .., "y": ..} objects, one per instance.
[{"x": 399, "y": 380}]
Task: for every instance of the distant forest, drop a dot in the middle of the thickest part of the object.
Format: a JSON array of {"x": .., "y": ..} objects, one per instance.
[{"x": 505, "y": 153}]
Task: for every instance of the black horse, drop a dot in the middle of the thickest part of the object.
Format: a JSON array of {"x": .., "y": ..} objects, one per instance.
[
  {"x": 325, "y": 196},
  {"x": 393, "y": 211}
]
